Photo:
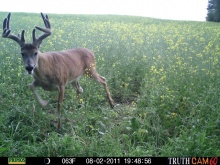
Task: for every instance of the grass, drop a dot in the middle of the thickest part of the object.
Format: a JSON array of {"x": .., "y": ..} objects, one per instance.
[{"x": 163, "y": 75}]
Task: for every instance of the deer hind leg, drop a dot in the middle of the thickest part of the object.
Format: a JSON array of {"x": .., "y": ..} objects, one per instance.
[
  {"x": 60, "y": 101},
  {"x": 42, "y": 102},
  {"x": 79, "y": 89},
  {"x": 102, "y": 80}
]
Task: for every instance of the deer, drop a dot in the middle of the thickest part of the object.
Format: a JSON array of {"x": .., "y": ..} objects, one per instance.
[{"x": 53, "y": 70}]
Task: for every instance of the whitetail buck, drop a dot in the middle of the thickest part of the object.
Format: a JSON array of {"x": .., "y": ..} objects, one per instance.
[{"x": 54, "y": 70}]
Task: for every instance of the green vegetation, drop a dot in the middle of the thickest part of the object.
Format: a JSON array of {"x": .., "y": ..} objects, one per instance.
[{"x": 163, "y": 75}]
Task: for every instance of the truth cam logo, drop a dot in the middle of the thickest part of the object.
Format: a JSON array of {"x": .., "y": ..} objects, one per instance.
[{"x": 194, "y": 161}]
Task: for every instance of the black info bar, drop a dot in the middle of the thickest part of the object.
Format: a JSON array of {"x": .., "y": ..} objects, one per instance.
[{"x": 110, "y": 160}]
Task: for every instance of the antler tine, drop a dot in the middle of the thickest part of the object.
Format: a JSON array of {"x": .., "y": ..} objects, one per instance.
[
  {"x": 7, "y": 32},
  {"x": 46, "y": 30},
  {"x": 46, "y": 20}
]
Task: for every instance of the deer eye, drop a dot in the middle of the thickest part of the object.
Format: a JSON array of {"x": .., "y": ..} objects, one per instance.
[{"x": 35, "y": 53}]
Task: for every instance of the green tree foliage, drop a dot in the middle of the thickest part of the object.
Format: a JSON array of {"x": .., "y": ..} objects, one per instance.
[{"x": 213, "y": 11}]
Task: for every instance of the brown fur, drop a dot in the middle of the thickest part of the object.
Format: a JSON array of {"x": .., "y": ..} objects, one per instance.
[{"x": 54, "y": 70}]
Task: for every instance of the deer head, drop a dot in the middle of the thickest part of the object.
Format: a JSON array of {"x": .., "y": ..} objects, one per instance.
[{"x": 29, "y": 51}]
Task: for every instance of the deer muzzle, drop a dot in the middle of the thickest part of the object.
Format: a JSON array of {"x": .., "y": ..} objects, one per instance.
[{"x": 29, "y": 69}]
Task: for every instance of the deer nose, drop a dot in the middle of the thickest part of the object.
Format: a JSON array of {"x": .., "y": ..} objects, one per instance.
[{"x": 29, "y": 68}]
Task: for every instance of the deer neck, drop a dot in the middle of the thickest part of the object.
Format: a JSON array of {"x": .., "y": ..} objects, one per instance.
[{"x": 41, "y": 65}]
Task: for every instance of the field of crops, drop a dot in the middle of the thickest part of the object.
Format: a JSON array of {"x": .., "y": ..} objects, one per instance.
[{"x": 164, "y": 77}]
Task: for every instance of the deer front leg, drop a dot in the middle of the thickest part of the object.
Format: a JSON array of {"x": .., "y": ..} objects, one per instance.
[
  {"x": 42, "y": 102},
  {"x": 60, "y": 101}
]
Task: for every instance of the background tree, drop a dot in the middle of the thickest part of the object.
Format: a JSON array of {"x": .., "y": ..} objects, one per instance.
[{"x": 213, "y": 10}]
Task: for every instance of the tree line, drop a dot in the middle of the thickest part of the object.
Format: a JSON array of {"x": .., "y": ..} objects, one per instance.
[{"x": 213, "y": 13}]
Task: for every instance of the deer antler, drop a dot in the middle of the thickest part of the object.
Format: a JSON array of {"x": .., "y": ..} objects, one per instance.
[
  {"x": 7, "y": 32},
  {"x": 47, "y": 31}
]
